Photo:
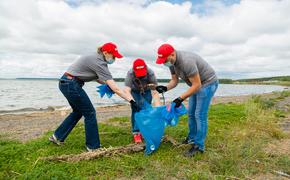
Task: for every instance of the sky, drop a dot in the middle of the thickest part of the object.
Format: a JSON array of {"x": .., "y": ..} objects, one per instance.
[{"x": 239, "y": 39}]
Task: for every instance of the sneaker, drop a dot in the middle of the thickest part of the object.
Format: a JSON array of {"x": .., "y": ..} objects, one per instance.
[
  {"x": 141, "y": 136},
  {"x": 91, "y": 150},
  {"x": 137, "y": 138},
  {"x": 187, "y": 141},
  {"x": 54, "y": 140},
  {"x": 193, "y": 151}
]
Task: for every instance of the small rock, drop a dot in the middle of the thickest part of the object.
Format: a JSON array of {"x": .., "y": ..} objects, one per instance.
[{"x": 50, "y": 108}]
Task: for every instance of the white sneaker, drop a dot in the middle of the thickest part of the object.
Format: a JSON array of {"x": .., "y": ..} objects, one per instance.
[
  {"x": 91, "y": 150},
  {"x": 54, "y": 140}
]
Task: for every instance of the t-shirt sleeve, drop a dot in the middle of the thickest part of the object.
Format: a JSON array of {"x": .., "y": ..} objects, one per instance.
[
  {"x": 172, "y": 70},
  {"x": 190, "y": 70},
  {"x": 128, "y": 80},
  {"x": 102, "y": 72}
]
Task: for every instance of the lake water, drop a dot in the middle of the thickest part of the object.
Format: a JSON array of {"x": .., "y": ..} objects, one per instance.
[{"x": 41, "y": 94}]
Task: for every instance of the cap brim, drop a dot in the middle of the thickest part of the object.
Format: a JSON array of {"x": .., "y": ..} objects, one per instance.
[
  {"x": 140, "y": 72},
  {"x": 161, "y": 60},
  {"x": 117, "y": 54}
]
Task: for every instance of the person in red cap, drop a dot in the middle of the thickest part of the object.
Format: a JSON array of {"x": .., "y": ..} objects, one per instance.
[
  {"x": 137, "y": 83},
  {"x": 92, "y": 67},
  {"x": 202, "y": 82}
]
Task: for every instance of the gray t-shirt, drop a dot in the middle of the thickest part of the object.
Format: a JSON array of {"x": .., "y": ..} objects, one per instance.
[
  {"x": 133, "y": 82},
  {"x": 91, "y": 67},
  {"x": 188, "y": 64}
]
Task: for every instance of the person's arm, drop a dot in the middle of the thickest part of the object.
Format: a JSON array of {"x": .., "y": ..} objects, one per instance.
[
  {"x": 111, "y": 83},
  {"x": 196, "y": 85},
  {"x": 155, "y": 98},
  {"x": 173, "y": 82},
  {"x": 127, "y": 96},
  {"x": 127, "y": 90}
]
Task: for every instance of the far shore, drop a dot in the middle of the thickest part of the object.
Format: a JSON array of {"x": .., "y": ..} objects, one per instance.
[{"x": 277, "y": 80}]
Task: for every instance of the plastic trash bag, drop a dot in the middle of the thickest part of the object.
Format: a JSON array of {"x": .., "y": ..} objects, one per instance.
[
  {"x": 153, "y": 120},
  {"x": 171, "y": 114},
  {"x": 105, "y": 89}
]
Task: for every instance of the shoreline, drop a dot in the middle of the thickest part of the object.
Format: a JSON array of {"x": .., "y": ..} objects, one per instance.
[
  {"x": 8, "y": 106},
  {"x": 31, "y": 125},
  {"x": 28, "y": 110},
  {"x": 48, "y": 109}
]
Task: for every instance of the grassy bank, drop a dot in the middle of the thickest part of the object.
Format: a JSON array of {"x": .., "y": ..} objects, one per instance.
[
  {"x": 278, "y": 80},
  {"x": 278, "y": 83},
  {"x": 237, "y": 138}
]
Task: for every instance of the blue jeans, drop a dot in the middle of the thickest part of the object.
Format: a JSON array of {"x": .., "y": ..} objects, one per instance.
[
  {"x": 139, "y": 98},
  {"x": 81, "y": 106},
  {"x": 198, "y": 107}
]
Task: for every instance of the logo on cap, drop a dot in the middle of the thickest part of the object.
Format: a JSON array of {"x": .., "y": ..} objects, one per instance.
[{"x": 140, "y": 67}]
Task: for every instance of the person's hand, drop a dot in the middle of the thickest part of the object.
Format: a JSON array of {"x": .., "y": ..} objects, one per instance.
[
  {"x": 152, "y": 86},
  {"x": 161, "y": 89},
  {"x": 134, "y": 106},
  {"x": 177, "y": 102}
]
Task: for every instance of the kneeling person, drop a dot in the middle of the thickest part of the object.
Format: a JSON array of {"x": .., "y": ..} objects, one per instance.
[{"x": 138, "y": 82}]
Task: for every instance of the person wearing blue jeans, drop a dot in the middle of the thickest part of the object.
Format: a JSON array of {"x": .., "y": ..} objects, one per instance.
[
  {"x": 198, "y": 106},
  {"x": 81, "y": 106},
  {"x": 85, "y": 69},
  {"x": 202, "y": 82},
  {"x": 137, "y": 83}
]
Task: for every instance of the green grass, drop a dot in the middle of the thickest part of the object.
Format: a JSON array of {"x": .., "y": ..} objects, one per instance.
[
  {"x": 278, "y": 80},
  {"x": 237, "y": 136}
]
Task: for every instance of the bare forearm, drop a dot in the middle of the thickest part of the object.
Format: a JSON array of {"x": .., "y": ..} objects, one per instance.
[
  {"x": 196, "y": 85},
  {"x": 122, "y": 94},
  {"x": 119, "y": 91},
  {"x": 172, "y": 84},
  {"x": 155, "y": 98},
  {"x": 193, "y": 89}
]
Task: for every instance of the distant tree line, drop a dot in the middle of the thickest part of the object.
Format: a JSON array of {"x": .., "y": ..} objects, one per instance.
[{"x": 222, "y": 81}]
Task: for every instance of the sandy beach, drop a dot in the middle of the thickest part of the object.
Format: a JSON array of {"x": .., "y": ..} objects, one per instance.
[{"x": 31, "y": 125}]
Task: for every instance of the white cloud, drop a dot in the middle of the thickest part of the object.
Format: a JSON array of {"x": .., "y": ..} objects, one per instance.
[{"x": 41, "y": 38}]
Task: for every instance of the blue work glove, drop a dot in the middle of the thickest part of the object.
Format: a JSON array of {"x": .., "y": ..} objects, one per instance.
[{"x": 105, "y": 89}]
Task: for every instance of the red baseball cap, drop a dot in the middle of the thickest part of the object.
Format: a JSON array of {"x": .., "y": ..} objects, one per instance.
[
  {"x": 139, "y": 68},
  {"x": 111, "y": 48},
  {"x": 163, "y": 52}
]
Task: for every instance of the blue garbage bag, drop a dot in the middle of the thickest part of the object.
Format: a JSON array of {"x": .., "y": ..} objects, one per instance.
[
  {"x": 153, "y": 120},
  {"x": 171, "y": 114},
  {"x": 105, "y": 89}
]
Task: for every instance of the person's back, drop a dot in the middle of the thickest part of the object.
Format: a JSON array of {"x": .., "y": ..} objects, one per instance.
[
  {"x": 91, "y": 67},
  {"x": 188, "y": 63}
]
